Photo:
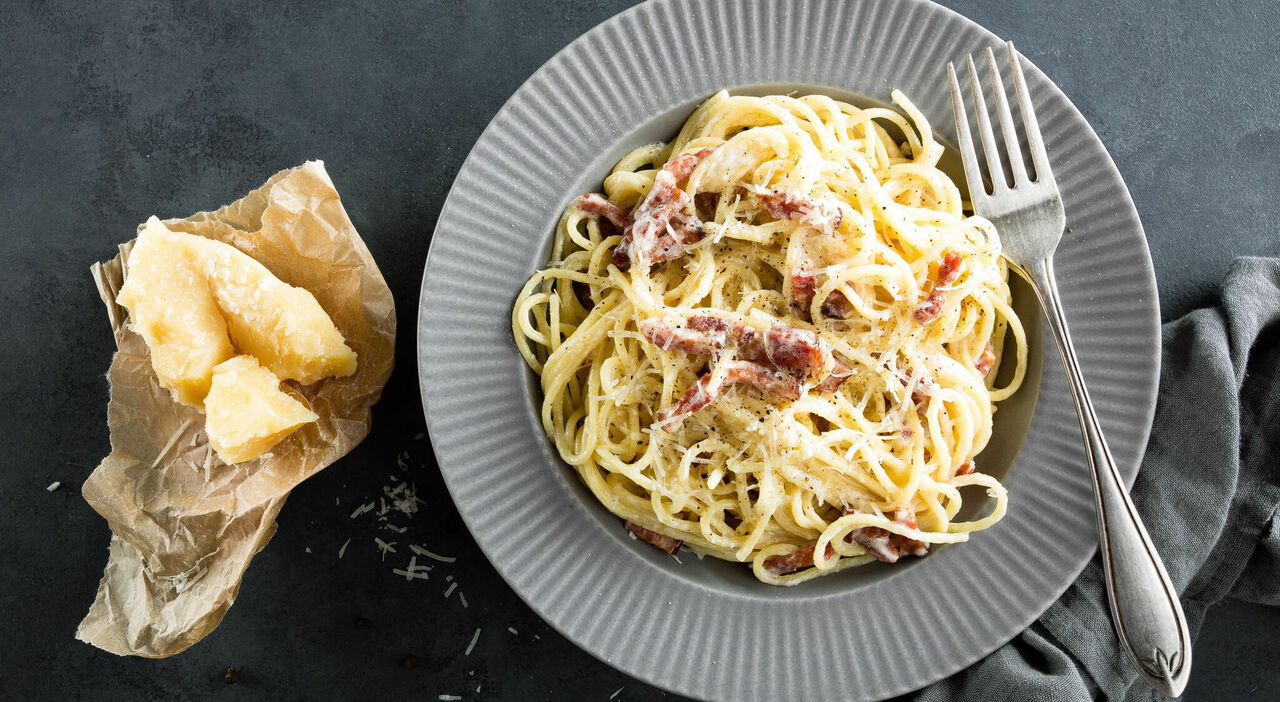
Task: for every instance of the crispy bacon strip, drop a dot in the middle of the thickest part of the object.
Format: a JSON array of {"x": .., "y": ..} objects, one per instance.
[
  {"x": 837, "y": 306},
  {"x": 703, "y": 335},
  {"x": 793, "y": 349},
  {"x": 777, "y": 362},
  {"x": 985, "y": 361},
  {"x": 597, "y": 206},
  {"x": 703, "y": 393},
  {"x": 908, "y": 547},
  {"x": 966, "y": 468},
  {"x": 819, "y": 214},
  {"x": 948, "y": 271},
  {"x": 682, "y": 166},
  {"x": 887, "y": 546},
  {"x": 784, "y": 385},
  {"x": 797, "y": 559},
  {"x": 699, "y": 395},
  {"x": 662, "y": 224},
  {"x": 921, "y": 394},
  {"x": 840, "y": 372},
  {"x": 662, "y": 541},
  {"x": 804, "y": 283},
  {"x": 782, "y": 347},
  {"x": 877, "y": 541}
]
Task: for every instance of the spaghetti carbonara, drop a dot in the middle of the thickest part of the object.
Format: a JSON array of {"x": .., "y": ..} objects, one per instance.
[{"x": 775, "y": 338}]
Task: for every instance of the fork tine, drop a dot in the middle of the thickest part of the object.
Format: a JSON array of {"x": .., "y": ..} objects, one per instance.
[
  {"x": 967, "y": 156},
  {"x": 1039, "y": 157},
  {"x": 1006, "y": 121},
  {"x": 989, "y": 148}
]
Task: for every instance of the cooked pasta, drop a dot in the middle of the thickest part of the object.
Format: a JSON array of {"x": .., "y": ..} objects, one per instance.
[{"x": 775, "y": 338}]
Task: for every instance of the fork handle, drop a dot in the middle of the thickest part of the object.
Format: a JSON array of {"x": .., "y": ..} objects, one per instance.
[{"x": 1144, "y": 605}]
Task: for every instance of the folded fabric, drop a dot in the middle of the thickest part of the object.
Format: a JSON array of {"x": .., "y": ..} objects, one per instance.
[{"x": 1208, "y": 490}]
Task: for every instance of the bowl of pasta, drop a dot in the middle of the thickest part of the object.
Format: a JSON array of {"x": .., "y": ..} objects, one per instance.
[{"x": 728, "y": 381}]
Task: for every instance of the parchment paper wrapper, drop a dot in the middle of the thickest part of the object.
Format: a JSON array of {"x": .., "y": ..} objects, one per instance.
[{"x": 184, "y": 525}]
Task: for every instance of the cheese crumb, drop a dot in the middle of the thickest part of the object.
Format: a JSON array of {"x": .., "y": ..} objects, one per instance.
[
  {"x": 54, "y": 486},
  {"x": 434, "y": 556},
  {"x": 385, "y": 547},
  {"x": 414, "y": 571},
  {"x": 344, "y": 548},
  {"x": 172, "y": 440},
  {"x": 474, "y": 638},
  {"x": 615, "y": 693}
]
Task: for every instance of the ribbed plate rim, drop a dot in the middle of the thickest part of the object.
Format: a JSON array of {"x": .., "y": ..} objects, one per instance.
[{"x": 782, "y": 657}]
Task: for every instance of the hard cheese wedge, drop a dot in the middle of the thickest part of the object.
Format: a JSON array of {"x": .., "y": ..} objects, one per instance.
[
  {"x": 171, "y": 307},
  {"x": 246, "y": 413},
  {"x": 282, "y": 326}
]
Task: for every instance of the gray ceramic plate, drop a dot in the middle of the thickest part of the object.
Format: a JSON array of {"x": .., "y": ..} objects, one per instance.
[{"x": 707, "y": 628}]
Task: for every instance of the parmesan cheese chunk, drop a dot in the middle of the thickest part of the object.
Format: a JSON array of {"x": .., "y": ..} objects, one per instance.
[
  {"x": 246, "y": 413},
  {"x": 171, "y": 307},
  {"x": 284, "y": 327}
]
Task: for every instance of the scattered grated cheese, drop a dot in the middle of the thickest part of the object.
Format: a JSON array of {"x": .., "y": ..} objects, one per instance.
[
  {"x": 474, "y": 638},
  {"x": 361, "y": 510},
  {"x": 344, "y": 548},
  {"x": 308, "y": 549},
  {"x": 385, "y": 547},
  {"x": 408, "y": 504},
  {"x": 396, "y": 529},
  {"x": 418, "y": 436},
  {"x": 208, "y": 461},
  {"x": 172, "y": 440},
  {"x": 449, "y": 591},
  {"x": 434, "y": 556},
  {"x": 513, "y": 631},
  {"x": 478, "y": 688},
  {"x": 615, "y": 693},
  {"x": 54, "y": 486},
  {"x": 414, "y": 571},
  {"x": 463, "y": 598},
  {"x": 449, "y": 698}
]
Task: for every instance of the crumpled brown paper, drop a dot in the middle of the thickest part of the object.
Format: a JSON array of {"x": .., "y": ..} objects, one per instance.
[{"x": 184, "y": 525}]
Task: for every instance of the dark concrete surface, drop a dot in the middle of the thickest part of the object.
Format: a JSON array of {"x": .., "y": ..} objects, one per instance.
[{"x": 109, "y": 114}]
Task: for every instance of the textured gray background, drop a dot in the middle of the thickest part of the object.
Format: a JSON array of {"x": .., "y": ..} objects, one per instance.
[{"x": 109, "y": 115}]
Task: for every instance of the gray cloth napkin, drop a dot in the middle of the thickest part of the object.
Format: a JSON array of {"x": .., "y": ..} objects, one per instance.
[{"x": 1208, "y": 491}]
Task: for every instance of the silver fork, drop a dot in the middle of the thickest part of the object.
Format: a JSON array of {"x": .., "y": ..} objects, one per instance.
[{"x": 1029, "y": 216}]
